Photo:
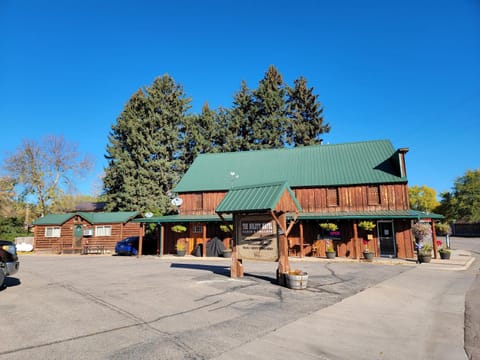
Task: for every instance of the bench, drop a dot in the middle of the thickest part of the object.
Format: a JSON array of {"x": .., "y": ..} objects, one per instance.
[{"x": 93, "y": 249}]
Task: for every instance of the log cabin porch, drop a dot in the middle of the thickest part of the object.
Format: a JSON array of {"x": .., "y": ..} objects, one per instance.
[{"x": 392, "y": 236}]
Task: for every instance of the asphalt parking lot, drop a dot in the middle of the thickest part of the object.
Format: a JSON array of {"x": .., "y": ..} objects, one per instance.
[{"x": 102, "y": 307}]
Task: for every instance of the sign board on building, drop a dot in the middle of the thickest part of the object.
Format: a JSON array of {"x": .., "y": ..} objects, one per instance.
[{"x": 256, "y": 237}]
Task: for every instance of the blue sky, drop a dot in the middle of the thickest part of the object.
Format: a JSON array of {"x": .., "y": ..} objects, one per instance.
[{"x": 408, "y": 71}]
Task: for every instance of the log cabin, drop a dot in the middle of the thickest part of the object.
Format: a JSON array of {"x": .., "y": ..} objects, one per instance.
[
  {"x": 83, "y": 231},
  {"x": 341, "y": 184}
]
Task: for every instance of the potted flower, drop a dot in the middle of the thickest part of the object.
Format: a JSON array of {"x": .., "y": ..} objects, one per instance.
[
  {"x": 181, "y": 251},
  {"x": 443, "y": 251},
  {"x": 422, "y": 232},
  {"x": 368, "y": 226},
  {"x": 424, "y": 253},
  {"x": 367, "y": 253},
  {"x": 330, "y": 251}
]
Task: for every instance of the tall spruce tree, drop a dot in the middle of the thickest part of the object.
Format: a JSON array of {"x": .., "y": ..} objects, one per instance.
[
  {"x": 270, "y": 111},
  {"x": 275, "y": 115},
  {"x": 240, "y": 122},
  {"x": 145, "y": 149},
  {"x": 305, "y": 114},
  {"x": 197, "y": 134}
]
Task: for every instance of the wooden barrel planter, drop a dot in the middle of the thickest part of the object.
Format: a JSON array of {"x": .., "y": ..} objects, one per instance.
[{"x": 296, "y": 280}]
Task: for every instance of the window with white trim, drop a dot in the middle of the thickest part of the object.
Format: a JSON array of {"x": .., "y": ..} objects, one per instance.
[
  {"x": 52, "y": 232},
  {"x": 197, "y": 229},
  {"x": 103, "y": 230}
]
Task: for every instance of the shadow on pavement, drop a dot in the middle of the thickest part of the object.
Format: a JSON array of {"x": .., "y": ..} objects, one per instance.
[
  {"x": 216, "y": 269},
  {"x": 221, "y": 270},
  {"x": 10, "y": 282}
]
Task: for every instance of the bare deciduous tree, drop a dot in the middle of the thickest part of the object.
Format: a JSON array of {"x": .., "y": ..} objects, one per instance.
[{"x": 46, "y": 169}]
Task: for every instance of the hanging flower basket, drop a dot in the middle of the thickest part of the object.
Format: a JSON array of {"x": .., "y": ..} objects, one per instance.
[
  {"x": 367, "y": 225},
  {"x": 179, "y": 228}
]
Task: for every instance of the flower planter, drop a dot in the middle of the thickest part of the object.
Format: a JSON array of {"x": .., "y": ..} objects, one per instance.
[
  {"x": 444, "y": 255},
  {"x": 296, "y": 281},
  {"x": 368, "y": 256},
  {"x": 424, "y": 258},
  {"x": 331, "y": 254},
  {"x": 181, "y": 252}
]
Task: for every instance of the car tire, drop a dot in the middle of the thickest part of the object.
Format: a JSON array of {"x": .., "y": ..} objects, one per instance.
[{"x": 2, "y": 276}]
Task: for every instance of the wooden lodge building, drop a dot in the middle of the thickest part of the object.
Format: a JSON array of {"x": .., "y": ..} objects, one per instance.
[
  {"x": 343, "y": 184},
  {"x": 83, "y": 231}
]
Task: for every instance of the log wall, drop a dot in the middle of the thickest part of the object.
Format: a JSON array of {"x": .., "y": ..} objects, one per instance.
[
  {"x": 66, "y": 241},
  {"x": 350, "y": 198}
]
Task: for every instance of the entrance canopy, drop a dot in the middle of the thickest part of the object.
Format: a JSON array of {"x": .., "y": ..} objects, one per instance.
[{"x": 259, "y": 199}]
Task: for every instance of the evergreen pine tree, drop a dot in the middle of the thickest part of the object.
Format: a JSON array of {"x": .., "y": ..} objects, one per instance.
[
  {"x": 240, "y": 123},
  {"x": 197, "y": 134},
  {"x": 305, "y": 113},
  {"x": 270, "y": 111},
  {"x": 145, "y": 149}
]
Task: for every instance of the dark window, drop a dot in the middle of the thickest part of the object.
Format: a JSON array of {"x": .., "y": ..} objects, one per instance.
[
  {"x": 373, "y": 195},
  {"x": 332, "y": 196},
  {"x": 197, "y": 202}
]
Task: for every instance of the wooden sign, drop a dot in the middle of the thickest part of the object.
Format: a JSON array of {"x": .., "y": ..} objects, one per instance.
[{"x": 256, "y": 237}]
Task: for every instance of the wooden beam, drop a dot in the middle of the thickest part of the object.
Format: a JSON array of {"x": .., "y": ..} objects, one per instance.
[
  {"x": 434, "y": 240},
  {"x": 292, "y": 223},
  {"x": 236, "y": 267},
  {"x": 140, "y": 240},
  {"x": 356, "y": 240},
  {"x": 302, "y": 253},
  {"x": 162, "y": 240},
  {"x": 283, "y": 262},
  {"x": 204, "y": 240}
]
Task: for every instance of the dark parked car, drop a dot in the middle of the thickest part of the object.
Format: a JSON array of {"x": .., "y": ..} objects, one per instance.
[
  {"x": 8, "y": 260},
  {"x": 127, "y": 246}
]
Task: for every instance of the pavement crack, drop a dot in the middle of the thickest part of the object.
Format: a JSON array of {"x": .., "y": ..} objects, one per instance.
[{"x": 334, "y": 274}]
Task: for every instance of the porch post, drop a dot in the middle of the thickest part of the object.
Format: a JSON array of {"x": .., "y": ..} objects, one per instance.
[
  {"x": 204, "y": 240},
  {"x": 161, "y": 236},
  {"x": 283, "y": 263},
  {"x": 434, "y": 240},
  {"x": 236, "y": 268},
  {"x": 302, "y": 254},
  {"x": 140, "y": 240},
  {"x": 356, "y": 240}
]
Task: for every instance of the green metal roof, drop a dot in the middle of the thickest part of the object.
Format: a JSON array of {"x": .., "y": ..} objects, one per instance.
[
  {"x": 108, "y": 217},
  {"x": 53, "y": 219},
  {"x": 256, "y": 198},
  {"x": 381, "y": 214},
  {"x": 92, "y": 218},
  {"x": 322, "y": 165},
  {"x": 183, "y": 218}
]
